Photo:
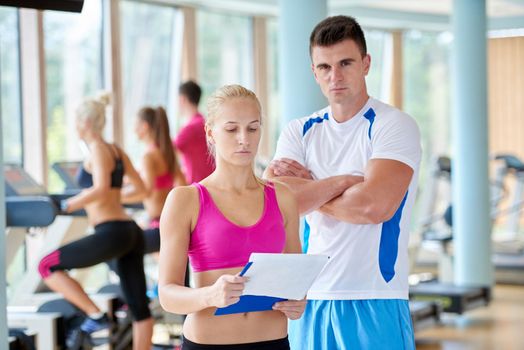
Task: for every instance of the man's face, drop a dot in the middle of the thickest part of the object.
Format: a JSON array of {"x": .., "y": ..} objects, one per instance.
[
  {"x": 182, "y": 104},
  {"x": 340, "y": 70}
]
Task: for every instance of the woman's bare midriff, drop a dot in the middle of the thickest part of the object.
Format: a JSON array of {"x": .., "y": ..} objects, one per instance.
[
  {"x": 206, "y": 328},
  {"x": 107, "y": 208}
]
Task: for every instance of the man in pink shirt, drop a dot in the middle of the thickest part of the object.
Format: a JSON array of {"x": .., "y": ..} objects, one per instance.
[{"x": 191, "y": 139}]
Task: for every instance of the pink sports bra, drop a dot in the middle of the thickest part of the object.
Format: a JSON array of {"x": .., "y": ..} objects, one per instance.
[{"x": 217, "y": 243}]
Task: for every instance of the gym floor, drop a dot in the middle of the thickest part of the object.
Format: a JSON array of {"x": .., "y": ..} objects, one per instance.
[{"x": 498, "y": 326}]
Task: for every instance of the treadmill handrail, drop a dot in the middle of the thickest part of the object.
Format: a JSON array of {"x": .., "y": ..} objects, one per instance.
[{"x": 30, "y": 211}]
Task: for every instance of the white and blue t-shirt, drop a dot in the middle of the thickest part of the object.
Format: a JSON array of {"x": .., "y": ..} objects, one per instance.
[{"x": 366, "y": 261}]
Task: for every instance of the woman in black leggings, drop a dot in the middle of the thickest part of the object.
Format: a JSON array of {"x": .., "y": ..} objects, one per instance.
[{"x": 116, "y": 235}]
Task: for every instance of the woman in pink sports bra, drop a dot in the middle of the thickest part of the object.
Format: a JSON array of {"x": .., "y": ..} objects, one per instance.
[
  {"x": 160, "y": 170},
  {"x": 218, "y": 223}
]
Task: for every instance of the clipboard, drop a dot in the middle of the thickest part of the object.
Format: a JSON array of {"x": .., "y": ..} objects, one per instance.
[{"x": 274, "y": 278}]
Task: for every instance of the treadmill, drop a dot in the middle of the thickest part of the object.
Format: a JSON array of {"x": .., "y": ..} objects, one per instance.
[
  {"x": 27, "y": 205},
  {"x": 424, "y": 314},
  {"x": 452, "y": 298},
  {"x": 68, "y": 171}
]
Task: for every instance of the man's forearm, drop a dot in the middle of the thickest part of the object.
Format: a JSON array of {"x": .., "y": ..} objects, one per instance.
[
  {"x": 312, "y": 194},
  {"x": 359, "y": 205},
  {"x": 376, "y": 199},
  {"x": 351, "y": 206}
]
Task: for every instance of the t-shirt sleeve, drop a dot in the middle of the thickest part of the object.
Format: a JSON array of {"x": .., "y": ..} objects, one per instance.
[
  {"x": 397, "y": 138},
  {"x": 290, "y": 144}
]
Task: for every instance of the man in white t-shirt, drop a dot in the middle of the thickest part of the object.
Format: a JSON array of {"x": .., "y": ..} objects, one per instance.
[{"x": 353, "y": 167}]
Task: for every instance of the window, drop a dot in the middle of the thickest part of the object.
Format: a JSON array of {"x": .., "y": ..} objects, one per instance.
[
  {"x": 73, "y": 58},
  {"x": 376, "y": 81},
  {"x": 225, "y": 51},
  {"x": 10, "y": 104},
  {"x": 272, "y": 114},
  {"x": 426, "y": 91},
  {"x": 150, "y": 62},
  {"x": 426, "y": 98},
  {"x": 10, "y": 110}
]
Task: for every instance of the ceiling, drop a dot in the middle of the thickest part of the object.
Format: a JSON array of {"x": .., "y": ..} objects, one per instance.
[
  {"x": 496, "y": 8},
  {"x": 390, "y": 14}
]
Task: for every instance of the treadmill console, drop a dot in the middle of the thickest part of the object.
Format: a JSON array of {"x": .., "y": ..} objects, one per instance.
[
  {"x": 27, "y": 202},
  {"x": 19, "y": 183},
  {"x": 68, "y": 172}
]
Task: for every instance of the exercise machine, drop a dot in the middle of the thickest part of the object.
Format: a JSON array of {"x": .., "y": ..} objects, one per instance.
[
  {"x": 508, "y": 239},
  {"x": 29, "y": 207},
  {"x": 436, "y": 230}
]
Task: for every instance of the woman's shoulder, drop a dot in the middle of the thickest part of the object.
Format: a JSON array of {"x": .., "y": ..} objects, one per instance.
[
  {"x": 282, "y": 191},
  {"x": 285, "y": 199},
  {"x": 98, "y": 146},
  {"x": 181, "y": 209},
  {"x": 100, "y": 152},
  {"x": 183, "y": 200},
  {"x": 279, "y": 187},
  {"x": 184, "y": 193}
]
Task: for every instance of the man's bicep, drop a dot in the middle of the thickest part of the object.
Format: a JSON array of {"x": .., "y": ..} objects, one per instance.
[
  {"x": 377, "y": 198},
  {"x": 388, "y": 180}
]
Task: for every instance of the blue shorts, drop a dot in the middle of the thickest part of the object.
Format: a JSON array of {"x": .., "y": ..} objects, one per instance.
[{"x": 353, "y": 324}]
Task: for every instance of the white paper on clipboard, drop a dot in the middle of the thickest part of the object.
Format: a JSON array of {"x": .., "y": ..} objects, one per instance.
[{"x": 286, "y": 276}]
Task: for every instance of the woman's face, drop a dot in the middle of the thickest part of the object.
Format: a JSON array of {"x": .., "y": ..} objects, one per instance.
[
  {"x": 236, "y": 132},
  {"x": 81, "y": 128},
  {"x": 141, "y": 129}
]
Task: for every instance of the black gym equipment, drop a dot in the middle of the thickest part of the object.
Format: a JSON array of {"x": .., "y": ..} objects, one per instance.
[
  {"x": 451, "y": 298},
  {"x": 21, "y": 340},
  {"x": 59, "y": 5},
  {"x": 72, "y": 318},
  {"x": 424, "y": 314}
]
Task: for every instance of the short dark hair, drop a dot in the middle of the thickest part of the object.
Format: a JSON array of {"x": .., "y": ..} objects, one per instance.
[
  {"x": 335, "y": 29},
  {"x": 191, "y": 90}
]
